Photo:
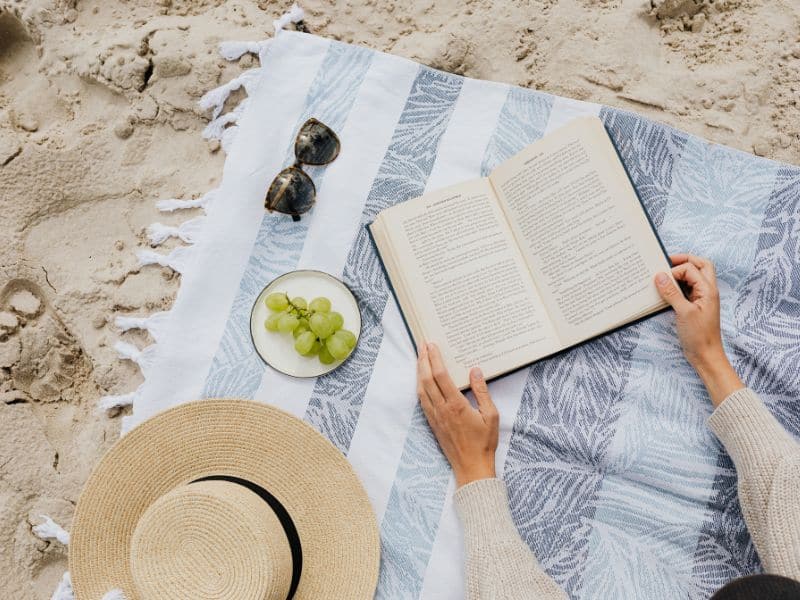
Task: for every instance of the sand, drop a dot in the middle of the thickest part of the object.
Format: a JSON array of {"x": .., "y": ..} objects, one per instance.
[{"x": 98, "y": 119}]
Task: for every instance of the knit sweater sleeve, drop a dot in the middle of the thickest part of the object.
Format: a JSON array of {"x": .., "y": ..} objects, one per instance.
[
  {"x": 767, "y": 460},
  {"x": 499, "y": 563}
]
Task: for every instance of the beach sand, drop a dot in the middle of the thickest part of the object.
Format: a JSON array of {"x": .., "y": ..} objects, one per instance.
[{"x": 98, "y": 119}]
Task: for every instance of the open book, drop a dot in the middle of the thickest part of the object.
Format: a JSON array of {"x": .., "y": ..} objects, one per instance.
[{"x": 550, "y": 250}]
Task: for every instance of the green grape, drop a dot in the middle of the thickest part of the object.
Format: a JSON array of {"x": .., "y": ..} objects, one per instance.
[
  {"x": 325, "y": 357},
  {"x": 304, "y": 323},
  {"x": 315, "y": 347},
  {"x": 321, "y": 304},
  {"x": 300, "y": 302},
  {"x": 277, "y": 301},
  {"x": 300, "y": 329},
  {"x": 287, "y": 322},
  {"x": 337, "y": 320},
  {"x": 305, "y": 342},
  {"x": 337, "y": 347},
  {"x": 271, "y": 323},
  {"x": 321, "y": 325},
  {"x": 348, "y": 337}
]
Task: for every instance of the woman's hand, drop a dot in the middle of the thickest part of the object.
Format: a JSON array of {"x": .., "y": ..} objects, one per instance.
[
  {"x": 697, "y": 320},
  {"x": 468, "y": 437}
]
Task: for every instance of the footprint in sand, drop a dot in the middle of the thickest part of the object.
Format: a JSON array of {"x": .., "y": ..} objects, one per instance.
[{"x": 40, "y": 360}]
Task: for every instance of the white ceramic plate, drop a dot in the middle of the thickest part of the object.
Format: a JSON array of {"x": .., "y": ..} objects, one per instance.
[{"x": 277, "y": 349}]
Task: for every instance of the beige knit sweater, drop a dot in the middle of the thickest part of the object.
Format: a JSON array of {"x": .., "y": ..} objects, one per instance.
[{"x": 500, "y": 565}]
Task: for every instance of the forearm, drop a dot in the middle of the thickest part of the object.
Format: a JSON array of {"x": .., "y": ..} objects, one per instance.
[
  {"x": 767, "y": 461},
  {"x": 718, "y": 375},
  {"x": 499, "y": 563}
]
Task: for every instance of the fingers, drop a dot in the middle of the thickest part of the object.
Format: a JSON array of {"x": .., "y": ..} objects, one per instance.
[
  {"x": 670, "y": 292},
  {"x": 440, "y": 374},
  {"x": 485, "y": 403},
  {"x": 705, "y": 266},
  {"x": 425, "y": 378}
]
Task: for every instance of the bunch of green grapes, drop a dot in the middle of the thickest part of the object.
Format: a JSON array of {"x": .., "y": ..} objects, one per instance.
[{"x": 317, "y": 330}]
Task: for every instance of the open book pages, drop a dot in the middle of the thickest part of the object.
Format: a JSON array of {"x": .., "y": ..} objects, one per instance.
[{"x": 552, "y": 249}]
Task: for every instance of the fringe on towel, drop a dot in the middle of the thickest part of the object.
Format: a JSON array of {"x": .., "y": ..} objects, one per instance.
[
  {"x": 50, "y": 530},
  {"x": 172, "y": 204},
  {"x": 234, "y": 50},
  {"x": 153, "y": 323},
  {"x": 186, "y": 231},
  {"x": 215, "y": 99},
  {"x": 175, "y": 260},
  {"x": 64, "y": 591},
  {"x": 294, "y": 15},
  {"x": 113, "y": 402}
]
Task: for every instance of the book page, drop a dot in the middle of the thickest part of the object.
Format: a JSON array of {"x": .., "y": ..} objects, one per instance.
[
  {"x": 582, "y": 229},
  {"x": 466, "y": 281}
]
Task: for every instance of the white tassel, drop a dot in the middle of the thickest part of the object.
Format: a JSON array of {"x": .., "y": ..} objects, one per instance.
[
  {"x": 175, "y": 260},
  {"x": 186, "y": 231},
  {"x": 64, "y": 589},
  {"x": 235, "y": 50},
  {"x": 125, "y": 323},
  {"x": 215, "y": 128},
  {"x": 294, "y": 15},
  {"x": 115, "y": 594},
  {"x": 129, "y": 351},
  {"x": 177, "y": 204},
  {"x": 50, "y": 530},
  {"x": 151, "y": 323},
  {"x": 215, "y": 99},
  {"x": 143, "y": 358},
  {"x": 111, "y": 403}
]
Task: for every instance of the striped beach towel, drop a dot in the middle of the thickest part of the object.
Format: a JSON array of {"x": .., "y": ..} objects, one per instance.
[{"x": 615, "y": 482}]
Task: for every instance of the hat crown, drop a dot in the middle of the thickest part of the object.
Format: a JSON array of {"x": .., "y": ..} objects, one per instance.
[{"x": 210, "y": 539}]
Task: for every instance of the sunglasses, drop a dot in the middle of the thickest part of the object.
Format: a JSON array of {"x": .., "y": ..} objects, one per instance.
[{"x": 292, "y": 192}]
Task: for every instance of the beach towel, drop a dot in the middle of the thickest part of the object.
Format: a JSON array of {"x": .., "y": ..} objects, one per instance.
[{"x": 615, "y": 481}]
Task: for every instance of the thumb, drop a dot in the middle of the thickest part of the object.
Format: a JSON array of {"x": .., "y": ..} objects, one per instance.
[
  {"x": 485, "y": 403},
  {"x": 670, "y": 292}
]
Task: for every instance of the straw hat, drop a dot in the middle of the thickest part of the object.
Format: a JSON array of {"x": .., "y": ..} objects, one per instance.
[{"x": 224, "y": 499}]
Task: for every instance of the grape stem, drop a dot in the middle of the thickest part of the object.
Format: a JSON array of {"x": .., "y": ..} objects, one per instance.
[{"x": 303, "y": 312}]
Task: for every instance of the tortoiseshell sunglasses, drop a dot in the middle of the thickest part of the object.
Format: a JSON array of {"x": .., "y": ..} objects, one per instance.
[{"x": 292, "y": 192}]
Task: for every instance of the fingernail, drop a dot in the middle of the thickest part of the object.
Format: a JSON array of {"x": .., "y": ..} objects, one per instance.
[
  {"x": 662, "y": 279},
  {"x": 477, "y": 373}
]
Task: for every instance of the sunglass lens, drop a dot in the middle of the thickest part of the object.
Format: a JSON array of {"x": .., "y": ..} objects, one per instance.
[
  {"x": 292, "y": 192},
  {"x": 316, "y": 144}
]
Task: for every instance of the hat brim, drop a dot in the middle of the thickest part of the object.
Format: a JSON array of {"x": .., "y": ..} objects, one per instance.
[{"x": 241, "y": 438}]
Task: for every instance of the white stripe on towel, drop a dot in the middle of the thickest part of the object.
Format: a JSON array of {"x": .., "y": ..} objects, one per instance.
[{"x": 566, "y": 109}]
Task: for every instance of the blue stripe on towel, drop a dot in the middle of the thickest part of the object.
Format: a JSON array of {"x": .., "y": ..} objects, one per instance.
[
  {"x": 557, "y": 456},
  {"x": 766, "y": 352},
  {"x": 336, "y": 401},
  {"x": 236, "y": 368},
  {"x": 661, "y": 462},
  {"x": 415, "y": 502}
]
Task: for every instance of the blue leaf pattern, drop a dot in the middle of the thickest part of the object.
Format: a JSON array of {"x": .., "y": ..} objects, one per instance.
[{"x": 236, "y": 368}]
